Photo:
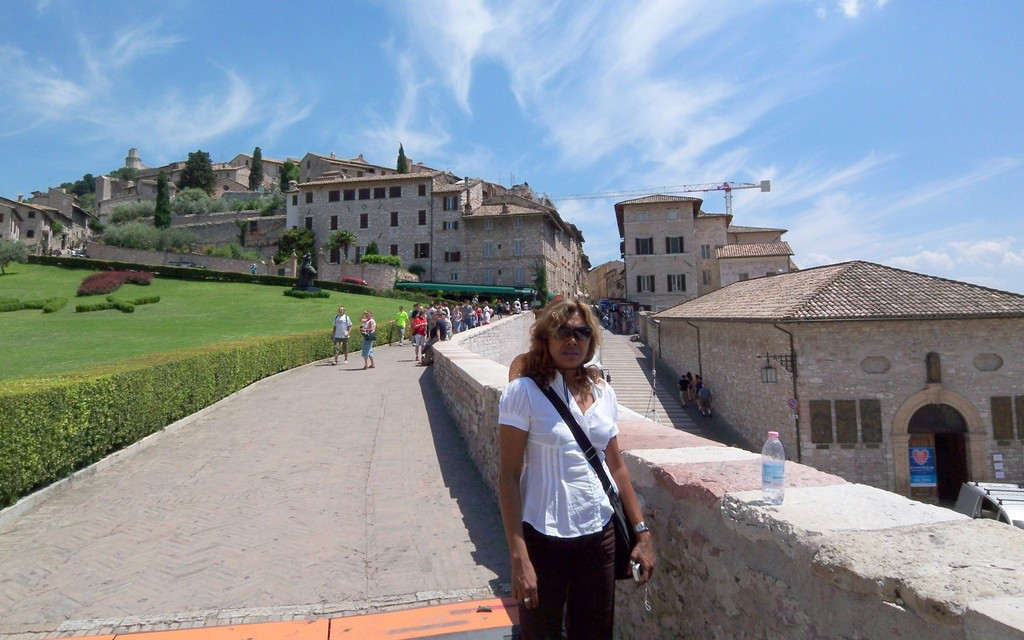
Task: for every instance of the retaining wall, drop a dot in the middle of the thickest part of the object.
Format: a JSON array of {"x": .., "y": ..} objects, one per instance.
[{"x": 836, "y": 560}]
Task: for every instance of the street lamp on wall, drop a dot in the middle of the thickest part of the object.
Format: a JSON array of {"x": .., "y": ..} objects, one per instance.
[{"x": 769, "y": 375}]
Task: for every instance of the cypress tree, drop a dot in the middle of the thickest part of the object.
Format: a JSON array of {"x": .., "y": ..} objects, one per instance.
[
  {"x": 256, "y": 170},
  {"x": 403, "y": 162},
  {"x": 162, "y": 215}
]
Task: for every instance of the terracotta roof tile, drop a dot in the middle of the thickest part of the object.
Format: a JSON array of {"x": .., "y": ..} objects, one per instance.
[
  {"x": 849, "y": 291},
  {"x": 660, "y": 198},
  {"x": 733, "y": 228},
  {"x": 373, "y": 178},
  {"x": 754, "y": 250}
]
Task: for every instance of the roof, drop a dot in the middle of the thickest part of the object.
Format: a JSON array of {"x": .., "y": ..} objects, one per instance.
[
  {"x": 464, "y": 288},
  {"x": 457, "y": 187},
  {"x": 754, "y": 250},
  {"x": 739, "y": 229},
  {"x": 373, "y": 178},
  {"x": 849, "y": 291}
]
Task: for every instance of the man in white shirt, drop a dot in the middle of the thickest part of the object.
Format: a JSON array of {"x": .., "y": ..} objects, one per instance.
[{"x": 342, "y": 327}]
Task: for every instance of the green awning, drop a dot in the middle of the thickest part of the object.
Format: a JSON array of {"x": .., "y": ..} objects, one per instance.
[{"x": 451, "y": 287}]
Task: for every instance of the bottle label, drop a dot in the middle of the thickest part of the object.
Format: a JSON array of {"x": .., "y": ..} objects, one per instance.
[{"x": 773, "y": 473}]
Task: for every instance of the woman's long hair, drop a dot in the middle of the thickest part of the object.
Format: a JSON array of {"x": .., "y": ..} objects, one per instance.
[{"x": 539, "y": 364}]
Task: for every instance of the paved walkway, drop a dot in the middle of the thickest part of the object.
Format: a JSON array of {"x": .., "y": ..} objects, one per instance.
[{"x": 319, "y": 492}]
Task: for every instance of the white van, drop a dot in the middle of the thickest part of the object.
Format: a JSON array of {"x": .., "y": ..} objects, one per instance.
[{"x": 1002, "y": 501}]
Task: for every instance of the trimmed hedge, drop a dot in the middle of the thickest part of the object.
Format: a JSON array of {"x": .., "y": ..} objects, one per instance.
[
  {"x": 96, "y": 306},
  {"x": 48, "y": 305},
  {"x": 296, "y": 293},
  {"x": 51, "y": 427}
]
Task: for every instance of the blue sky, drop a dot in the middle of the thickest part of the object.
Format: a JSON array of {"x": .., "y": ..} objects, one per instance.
[{"x": 891, "y": 130}]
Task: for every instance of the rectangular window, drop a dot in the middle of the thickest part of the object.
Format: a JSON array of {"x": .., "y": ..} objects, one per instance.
[
  {"x": 644, "y": 246},
  {"x": 334, "y": 223},
  {"x": 519, "y": 276},
  {"x": 488, "y": 276},
  {"x": 335, "y": 255},
  {"x": 705, "y": 251},
  {"x": 421, "y": 189},
  {"x": 705, "y": 277},
  {"x": 488, "y": 249},
  {"x": 821, "y": 421},
  {"x": 394, "y": 218},
  {"x": 394, "y": 249},
  {"x": 364, "y": 221},
  {"x": 379, "y": 193},
  {"x": 450, "y": 203},
  {"x": 1002, "y": 418},
  {"x": 450, "y": 225},
  {"x": 395, "y": 192},
  {"x": 673, "y": 214},
  {"x": 517, "y": 246},
  {"x": 309, "y": 222},
  {"x": 364, "y": 194},
  {"x": 871, "y": 420},
  {"x": 422, "y": 216},
  {"x": 846, "y": 421},
  {"x": 295, "y": 200},
  {"x": 452, "y": 256},
  {"x": 645, "y": 284},
  {"x": 517, "y": 222},
  {"x": 488, "y": 224},
  {"x": 1020, "y": 416},
  {"x": 676, "y": 282},
  {"x": 674, "y": 244},
  {"x": 359, "y": 253},
  {"x": 309, "y": 197},
  {"x": 641, "y": 216},
  {"x": 334, "y": 196},
  {"x": 253, "y": 225},
  {"x": 421, "y": 250},
  {"x": 350, "y": 194},
  {"x": 453, "y": 277}
]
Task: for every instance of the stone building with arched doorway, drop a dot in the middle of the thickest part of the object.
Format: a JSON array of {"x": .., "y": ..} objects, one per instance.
[{"x": 891, "y": 378}]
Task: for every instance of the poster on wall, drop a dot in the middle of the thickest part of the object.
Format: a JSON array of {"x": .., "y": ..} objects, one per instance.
[{"x": 922, "y": 467}]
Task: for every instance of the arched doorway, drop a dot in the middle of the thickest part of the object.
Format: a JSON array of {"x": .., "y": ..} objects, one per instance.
[{"x": 938, "y": 430}]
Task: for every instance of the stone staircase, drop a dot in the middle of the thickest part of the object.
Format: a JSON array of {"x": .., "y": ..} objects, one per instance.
[{"x": 631, "y": 377}]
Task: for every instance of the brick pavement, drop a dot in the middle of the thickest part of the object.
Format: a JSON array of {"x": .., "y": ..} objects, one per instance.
[{"x": 322, "y": 491}]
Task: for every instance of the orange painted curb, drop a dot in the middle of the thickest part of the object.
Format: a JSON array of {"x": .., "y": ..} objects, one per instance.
[{"x": 427, "y": 622}]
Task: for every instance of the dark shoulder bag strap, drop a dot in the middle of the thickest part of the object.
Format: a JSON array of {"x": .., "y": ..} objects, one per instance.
[{"x": 581, "y": 438}]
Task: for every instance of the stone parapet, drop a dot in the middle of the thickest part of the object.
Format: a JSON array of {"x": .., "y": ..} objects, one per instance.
[{"x": 835, "y": 560}]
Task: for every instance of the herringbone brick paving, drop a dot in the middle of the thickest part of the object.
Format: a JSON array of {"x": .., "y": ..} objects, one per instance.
[{"x": 322, "y": 490}]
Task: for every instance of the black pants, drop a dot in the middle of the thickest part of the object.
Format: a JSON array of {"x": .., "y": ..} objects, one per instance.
[{"x": 576, "y": 575}]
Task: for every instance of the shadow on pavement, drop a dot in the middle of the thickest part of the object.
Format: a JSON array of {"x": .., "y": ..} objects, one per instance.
[{"x": 480, "y": 512}]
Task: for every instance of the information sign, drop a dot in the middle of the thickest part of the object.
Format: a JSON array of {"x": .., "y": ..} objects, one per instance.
[{"x": 922, "y": 467}]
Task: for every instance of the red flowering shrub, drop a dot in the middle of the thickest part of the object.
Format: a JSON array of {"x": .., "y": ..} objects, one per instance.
[{"x": 109, "y": 281}]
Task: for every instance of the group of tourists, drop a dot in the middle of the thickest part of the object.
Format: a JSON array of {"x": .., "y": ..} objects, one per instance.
[
  {"x": 693, "y": 389},
  {"x": 343, "y": 329}
]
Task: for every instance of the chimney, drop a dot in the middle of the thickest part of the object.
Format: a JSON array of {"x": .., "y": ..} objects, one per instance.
[{"x": 21, "y": 197}]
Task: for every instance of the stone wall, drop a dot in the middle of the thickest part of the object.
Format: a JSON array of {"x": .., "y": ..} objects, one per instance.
[
  {"x": 98, "y": 251},
  {"x": 834, "y": 561}
]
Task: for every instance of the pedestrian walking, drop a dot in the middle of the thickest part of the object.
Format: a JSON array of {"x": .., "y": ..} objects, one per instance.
[
  {"x": 419, "y": 332},
  {"x": 368, "y": 327},
  {"x": 401, "y": 320},
  {"x": 684, "y": 388},
  {"x": 342, "y": 328}
]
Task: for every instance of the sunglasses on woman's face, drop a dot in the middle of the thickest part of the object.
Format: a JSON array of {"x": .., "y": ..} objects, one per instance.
[{"x": 580, "y": 333}]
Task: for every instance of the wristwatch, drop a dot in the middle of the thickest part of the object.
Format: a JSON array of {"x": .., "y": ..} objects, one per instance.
[{"x": 641, "y": 527}]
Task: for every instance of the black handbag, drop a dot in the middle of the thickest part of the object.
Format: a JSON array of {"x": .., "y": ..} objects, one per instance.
[{"x": 625, "y": 536}]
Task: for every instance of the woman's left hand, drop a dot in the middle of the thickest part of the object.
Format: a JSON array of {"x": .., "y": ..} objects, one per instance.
[{"x": 643, "y": 553}]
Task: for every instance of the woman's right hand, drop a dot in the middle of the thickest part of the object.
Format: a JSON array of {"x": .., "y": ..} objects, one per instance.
[{"x": 524, "y": 583}]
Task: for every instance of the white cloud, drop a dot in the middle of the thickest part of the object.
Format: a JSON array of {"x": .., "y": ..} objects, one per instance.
[
  {"x": 924, "y": 261},
  {"x": 850, "y": 8}
]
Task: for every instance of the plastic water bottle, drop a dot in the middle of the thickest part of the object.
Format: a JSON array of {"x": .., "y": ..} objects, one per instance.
[{"x": 773, "y": 470}]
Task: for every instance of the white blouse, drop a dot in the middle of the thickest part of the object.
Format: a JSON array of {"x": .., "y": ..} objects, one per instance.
[{"x": 562, "y": 495}]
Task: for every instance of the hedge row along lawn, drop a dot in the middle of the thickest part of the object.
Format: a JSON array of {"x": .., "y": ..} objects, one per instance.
[{"x": 190, "y": 314}]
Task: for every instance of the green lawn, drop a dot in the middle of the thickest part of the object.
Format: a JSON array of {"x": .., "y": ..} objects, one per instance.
[{"x": 189, "y": 314}]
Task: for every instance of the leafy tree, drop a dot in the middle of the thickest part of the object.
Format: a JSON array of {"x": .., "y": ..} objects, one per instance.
[
  {"x": 403, "y": 162},
  {"x": 125, "y": 173},
  {"x": 540, "y": 282},
  {"x": 198, "y": 172},
  {"x": 57, "y": 227},
  {"x": 256, "y": 170},
  {"x": 12, "y": 251},
  {"x": 416, "y": 269},
  {"x": 162, "y": 213},
  {"x": 289, "y": 172},
  {"x": 342, "y": 239},
  {"x": 371, "y": 249},
  {"x": 370, "y": 258},
  {"x": 298, "y": 240}
]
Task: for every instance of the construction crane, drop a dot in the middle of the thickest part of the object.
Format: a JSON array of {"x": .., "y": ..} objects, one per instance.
[{"x": 727, "y": 187}]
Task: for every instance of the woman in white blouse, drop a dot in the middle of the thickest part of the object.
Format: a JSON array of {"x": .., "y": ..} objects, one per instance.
[{"x": 557, "y": 517}]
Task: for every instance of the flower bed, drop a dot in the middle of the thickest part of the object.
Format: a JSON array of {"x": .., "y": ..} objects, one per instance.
[{"x": 110, "y": 281}]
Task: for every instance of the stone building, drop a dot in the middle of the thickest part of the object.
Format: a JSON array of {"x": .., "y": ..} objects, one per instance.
[
  {"x": 607, "y": 281},
  {"x": 49, "y": 222},
  {"x": 895, "y": 379},
  {"x": 674, "y": 251},
  {"x": 464, "y": 231}
]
